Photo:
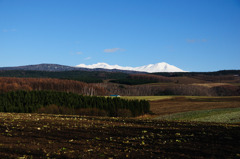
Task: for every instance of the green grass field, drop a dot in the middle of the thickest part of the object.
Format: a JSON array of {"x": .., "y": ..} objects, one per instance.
[
  {"x": 227, "y": 115},
  {"x": 150, "y": 98}
]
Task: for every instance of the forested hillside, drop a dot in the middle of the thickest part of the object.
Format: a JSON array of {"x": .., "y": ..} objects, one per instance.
[
  {"x": 84, "y": 76},
  {"x": 136, "y": 79},
  {"x": 221, "y": 83},
  {"x": 188, "y": 74},
  {"x": 28, "y": 84}
]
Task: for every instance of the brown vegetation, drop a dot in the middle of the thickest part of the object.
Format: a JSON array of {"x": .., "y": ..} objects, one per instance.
[
  {"x": 218, "y": 79},
  {"x": 227, "y": 90},
  {"x": 184, "y": 104},
  {"x": 171, "y": 89},
  {"x": 166, "y": 86},
  {"x": 150, "y": 77},
  {"x": 126, "y": 90},
  {"x": 54, "y": 109},
  {"x": 12, "y": 84}
]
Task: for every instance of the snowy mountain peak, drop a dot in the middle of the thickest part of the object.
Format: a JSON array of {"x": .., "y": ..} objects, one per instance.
[{"x": 158, "y": 67}]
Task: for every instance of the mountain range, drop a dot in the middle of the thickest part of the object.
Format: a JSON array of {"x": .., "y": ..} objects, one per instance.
[
  {"x": 159, "y": 67},
  {"x": 151, "y": 68}
]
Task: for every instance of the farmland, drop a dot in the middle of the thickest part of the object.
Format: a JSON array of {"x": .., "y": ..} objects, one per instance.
[
  {"x": 61, "y": 136},
  {"x": 178, "y": 125},
  {"x": 180, "y": 104},
  {"x": 174, "y": 131},
  {"x": 193, "y": 108}
]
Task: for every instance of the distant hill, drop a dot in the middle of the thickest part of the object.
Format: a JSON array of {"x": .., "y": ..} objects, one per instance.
[
  {"x": 151, "y": 68},
  {"x": 42, "y": 67},
  {"x": 78, "y": 75},
  {"x": 58, "y": 68},
  {"x": 98, "y": 75},
  {"x": 220, "y": 83}
]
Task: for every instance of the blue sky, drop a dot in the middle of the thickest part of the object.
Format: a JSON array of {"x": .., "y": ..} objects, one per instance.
[{"x": 194, "y": 35}]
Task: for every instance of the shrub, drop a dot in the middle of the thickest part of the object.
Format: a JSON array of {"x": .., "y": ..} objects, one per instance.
[
  {"x": 91, "y": 112},
  {"x": 124, "y": 113},
  {"x": 54, "y": 109}
]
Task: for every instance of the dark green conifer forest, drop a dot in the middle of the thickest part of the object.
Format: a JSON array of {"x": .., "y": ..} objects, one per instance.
[{"x": 33, "y": 101}]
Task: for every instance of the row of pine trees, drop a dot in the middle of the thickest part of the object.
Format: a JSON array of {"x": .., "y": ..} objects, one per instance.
[{"x": 32, "y": 101}]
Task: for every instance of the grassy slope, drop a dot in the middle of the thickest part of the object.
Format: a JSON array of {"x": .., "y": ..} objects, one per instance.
[{"x": 226, "y": 115}]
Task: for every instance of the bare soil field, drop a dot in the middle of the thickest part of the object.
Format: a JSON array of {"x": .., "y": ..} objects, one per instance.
[
  {"x": 184, "y": 104},
  {"x": 59, "y": 136}
]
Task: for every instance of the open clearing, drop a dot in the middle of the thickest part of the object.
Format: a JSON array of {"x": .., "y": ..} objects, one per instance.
[{"x": 55, "y": 136}]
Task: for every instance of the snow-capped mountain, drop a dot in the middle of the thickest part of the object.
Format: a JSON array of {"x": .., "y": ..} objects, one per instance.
[{"x": 159, "y": 67}]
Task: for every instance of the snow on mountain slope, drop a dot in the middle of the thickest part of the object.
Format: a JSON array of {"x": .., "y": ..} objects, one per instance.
[{"x": 159, "y": 67}]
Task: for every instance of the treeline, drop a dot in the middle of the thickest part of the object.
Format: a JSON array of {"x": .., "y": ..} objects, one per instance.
[
  {"x": 195, "y": 90},
  {"x": 33, "y": 101},
  {"x": 150, "y": 77},
  {"x": 84, "y": 76},
  {"x": 171, "y": 89},
  {"x": 28, "y": 84},
  {"x": 135, "y": 79},
  {"x": 189, "y": 74},
  {"x": 227, "y": 76},
  {"x": 219, "y": 78}
]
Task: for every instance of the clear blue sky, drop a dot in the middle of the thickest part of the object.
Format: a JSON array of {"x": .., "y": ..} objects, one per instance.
[{"x": 194, "y": 35}]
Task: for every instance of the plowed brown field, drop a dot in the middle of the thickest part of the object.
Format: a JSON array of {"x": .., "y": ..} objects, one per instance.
[{"x": 52, "y": 136}]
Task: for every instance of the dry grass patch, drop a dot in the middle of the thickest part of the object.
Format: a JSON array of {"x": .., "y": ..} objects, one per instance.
[{"x": 184, "y": 104}]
